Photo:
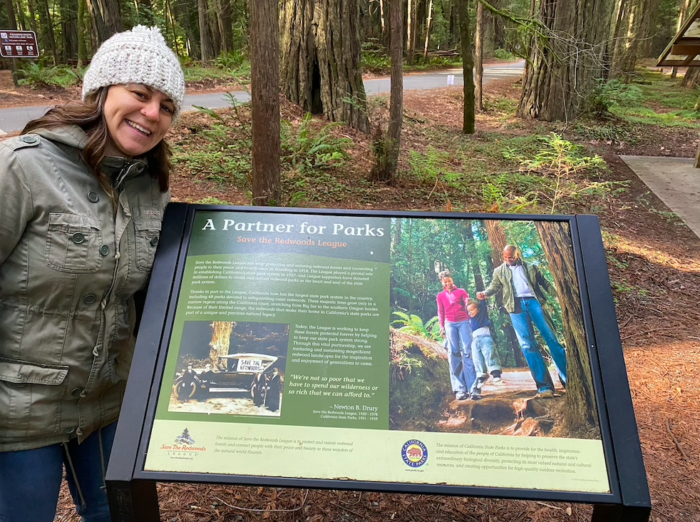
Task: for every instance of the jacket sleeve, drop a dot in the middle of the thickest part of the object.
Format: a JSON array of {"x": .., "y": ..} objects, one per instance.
[
  {"x": 17, "y": 207},
  {"x": 496, "y": 284},
  {"x": 441, "y": 312}
]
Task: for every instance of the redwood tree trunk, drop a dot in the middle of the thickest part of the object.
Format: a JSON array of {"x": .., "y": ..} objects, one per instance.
[
  {"x": 428, "y": 28},
  {"x": 497, "y": 239},
  {"x": 387, "y": 148},
  {"x": 321, "y": 59},
  {"x": 564, "y": 70},
  {"x": 479, "y": 55},
  {"x": 580, "y": 411},
  {"x": 468, "y": 124},
  {"x": 206, "y": 42},
  {"x": 264, "y": 61}
]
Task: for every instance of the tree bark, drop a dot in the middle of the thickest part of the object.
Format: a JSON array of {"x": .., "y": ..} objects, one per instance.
[
  {"x": 387, "y": 159},
  {"x": 321, "y": 56},
  {"x": 264, "y": 61},
  {"x": 206, "y": 43},
  {"x": 497, "y": 240},
  {"x": 580, "y": 411},
  {"x": 428, "y": 28},
  {"x": 83, "y": 32},
  {"x": 568, "y": 62},
  {"x": 12, "y": 20},
  {"x": 635, "y": 14},
  {"x": 69, "y": 30},
  {"x": 479, "y": 55},
  {"x": 225, "y": 21},
  {"x": 48, "y": 39},
  {"x": 469, "y": 121}
]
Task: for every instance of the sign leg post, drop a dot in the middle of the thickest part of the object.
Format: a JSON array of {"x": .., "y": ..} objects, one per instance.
[
  {"x": 133, "y": 501},
  {"x": 14, "y": 72},
  {"x": 617, "y": 513}
]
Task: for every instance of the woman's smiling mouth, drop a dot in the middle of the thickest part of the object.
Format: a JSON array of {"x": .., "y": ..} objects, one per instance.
[{"x": 138, "y": 127}]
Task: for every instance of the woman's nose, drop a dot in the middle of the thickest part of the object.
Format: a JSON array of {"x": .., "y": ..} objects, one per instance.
[{"x": 151, "y": 110}]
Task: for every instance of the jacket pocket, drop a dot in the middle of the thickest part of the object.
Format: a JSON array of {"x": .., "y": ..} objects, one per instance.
[
  {"x": 147, "y": 235},
  {"x": 30, "y": 398},
  {"x": 73, "y": 243}
]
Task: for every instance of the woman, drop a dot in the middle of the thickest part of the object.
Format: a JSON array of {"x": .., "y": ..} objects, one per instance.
[
  {"x": 454, "y": 326},
  {"x": 83, "y": 194}
]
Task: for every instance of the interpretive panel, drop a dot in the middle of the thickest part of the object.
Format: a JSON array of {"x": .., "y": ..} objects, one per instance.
[{"x": 382, "y": 349}]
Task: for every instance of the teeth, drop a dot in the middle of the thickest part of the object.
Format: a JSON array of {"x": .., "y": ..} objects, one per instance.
[{"x": 138, "y": 127}]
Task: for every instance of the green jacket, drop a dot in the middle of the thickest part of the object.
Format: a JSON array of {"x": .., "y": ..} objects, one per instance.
[
  {"x": 503, "y": 280},
  {"x": 69, "y": 268}
]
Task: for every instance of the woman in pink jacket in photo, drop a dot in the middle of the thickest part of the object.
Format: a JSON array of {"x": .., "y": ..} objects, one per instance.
[{"x": 454, "y": 327}]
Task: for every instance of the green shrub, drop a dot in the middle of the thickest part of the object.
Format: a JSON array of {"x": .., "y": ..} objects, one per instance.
[
  {"x": 307, "y": 149},
  {"x": 614, "y": 93},
  {"x": 36, "y": 74},
  {"x": 502, "y": 54}
]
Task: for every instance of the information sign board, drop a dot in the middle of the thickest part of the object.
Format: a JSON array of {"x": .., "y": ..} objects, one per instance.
[
  {"x": 18, "y": 44},
  {"x": 298, "y": 348}
]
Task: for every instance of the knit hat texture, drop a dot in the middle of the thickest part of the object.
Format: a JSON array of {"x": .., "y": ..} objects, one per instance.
[{"x": 137, "y": 56}]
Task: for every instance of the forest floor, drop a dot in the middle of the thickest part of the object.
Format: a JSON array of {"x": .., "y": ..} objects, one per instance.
[{"x": 652, "y": 259}]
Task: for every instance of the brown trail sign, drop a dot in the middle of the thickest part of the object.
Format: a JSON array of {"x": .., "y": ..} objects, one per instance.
[{"x": 18, "y": 44}]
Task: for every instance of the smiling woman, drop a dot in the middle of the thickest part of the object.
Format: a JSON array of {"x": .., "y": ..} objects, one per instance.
[{"x": 83, "y": 190}]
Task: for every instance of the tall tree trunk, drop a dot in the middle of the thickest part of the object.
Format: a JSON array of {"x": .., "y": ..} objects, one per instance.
[
  {"x": 187, "y": 12},
  {"x": 497, "y": 240},
  {"x": 69, "y": 30},
  {"x": 635, "y": 13},
  {"x": 476, "y": 270},
  {"x": 321, "y": 56},
  {"x": 213, "y": 22},
  {"x": 32, "y": 17},
  {"x": 112, "y": 16},
  {"x": 264, "y": 61},
  {"x": 12, "y": 19},
  {"x": 428, "y": 28},
  {"x": 566, "y": 67},
  {"x": 479, "y": 54},
  {"x": 225, "y": 19},
  {"x": 206, "y": 43},
  {"x": 410, "y": 29},
  {"x": 468, "y": 124},
  {"x": 580, "y": 411},
  {"x": 106, "y": 18},
  {"x": 387, "y": 158},
  {"x": 48, "y": 40},
  {"x": 83, "y": 33}
]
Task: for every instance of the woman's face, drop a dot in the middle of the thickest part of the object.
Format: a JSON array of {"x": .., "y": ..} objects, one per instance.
[
  {"x": 137, "y": 118},
  {"x": 447, "y": 284}
]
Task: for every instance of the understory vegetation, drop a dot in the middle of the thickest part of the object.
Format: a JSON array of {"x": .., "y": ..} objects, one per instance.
[{"x": 510, "y": 165}]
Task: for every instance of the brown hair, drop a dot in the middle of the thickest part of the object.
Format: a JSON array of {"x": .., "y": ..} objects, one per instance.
[{"x": 89, "y": 116}]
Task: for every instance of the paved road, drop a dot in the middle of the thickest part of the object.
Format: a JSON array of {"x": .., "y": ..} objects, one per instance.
[{"x": 14, "y": 119}]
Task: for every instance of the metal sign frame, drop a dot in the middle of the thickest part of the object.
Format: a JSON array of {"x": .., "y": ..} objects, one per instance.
[{"x": 131, "y": 490}]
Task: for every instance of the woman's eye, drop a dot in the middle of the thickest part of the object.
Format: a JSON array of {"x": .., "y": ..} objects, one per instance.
[
  {"x": 167, "y": 109},
  {"x": 139, "y": 94}
]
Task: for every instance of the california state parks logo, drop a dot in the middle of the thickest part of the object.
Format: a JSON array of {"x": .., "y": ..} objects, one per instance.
[{"x": 414, "y": 453}]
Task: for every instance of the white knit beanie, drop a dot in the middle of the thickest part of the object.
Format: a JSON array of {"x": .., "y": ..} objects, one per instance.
[{"x": 137, "y": 56}]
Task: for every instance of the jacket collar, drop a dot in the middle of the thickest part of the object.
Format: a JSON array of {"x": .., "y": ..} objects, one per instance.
[{"x": 117, "y": 168}]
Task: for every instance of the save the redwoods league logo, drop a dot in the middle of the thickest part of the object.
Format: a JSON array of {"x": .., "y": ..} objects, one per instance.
[
  {"x": 414, "y": 453},
  {"x": 185, "y": 438}
]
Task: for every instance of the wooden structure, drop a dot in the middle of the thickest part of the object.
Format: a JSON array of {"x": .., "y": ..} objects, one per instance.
[{"x": 683, "y": 51}]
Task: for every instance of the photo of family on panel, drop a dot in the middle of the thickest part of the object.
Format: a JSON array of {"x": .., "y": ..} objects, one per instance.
[
  {"x": 488, "y": 334},
  {"x": 232, "y": 368}
]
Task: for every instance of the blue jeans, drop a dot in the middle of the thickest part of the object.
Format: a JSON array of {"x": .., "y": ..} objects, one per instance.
[
  {"x": 459, "y": 340},
  {"x": 522, "y": 324},
  {"x": 30, "y": 480},
  {"x": 484, "y": 355}
]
